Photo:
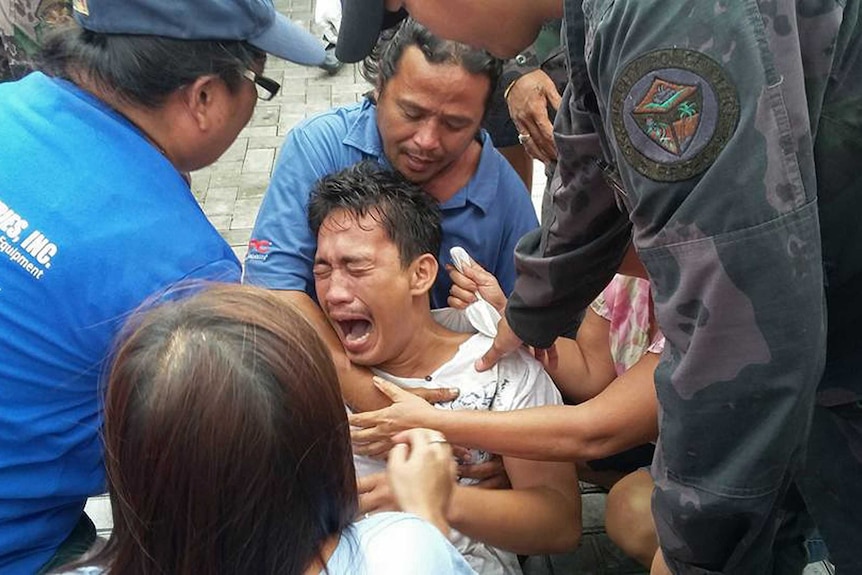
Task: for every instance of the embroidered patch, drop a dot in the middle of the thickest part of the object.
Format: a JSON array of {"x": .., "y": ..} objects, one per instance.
[{"x": 672, "y": 112}]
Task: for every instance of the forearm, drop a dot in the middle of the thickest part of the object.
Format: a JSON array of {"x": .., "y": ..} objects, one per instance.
[
  {"x": 356, "y": 387},
  {"x": 526, "y": 521},
  {"x": 542, "y": 433},
  {"x": 624, "y": 415},
  {"x": 436, "y": 520},
  {"x": 580, "y": 372},
  {"x": 431, "y": 514},
  {"x": 571, "y": 373}
]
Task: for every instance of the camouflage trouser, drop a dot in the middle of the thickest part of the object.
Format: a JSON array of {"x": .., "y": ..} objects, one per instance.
[{"x": 832, "y": 482}]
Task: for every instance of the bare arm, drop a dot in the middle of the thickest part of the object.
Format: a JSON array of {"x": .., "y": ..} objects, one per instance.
[
  {"x": 622, "y": 416},
  {"x": 540, "y": 514},
  {"x": 356, "y": 387},
  {"x": 584, "y": 366}
]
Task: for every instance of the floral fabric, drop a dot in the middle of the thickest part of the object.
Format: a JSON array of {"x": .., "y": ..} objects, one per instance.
[{"x": 625, "y": 303}]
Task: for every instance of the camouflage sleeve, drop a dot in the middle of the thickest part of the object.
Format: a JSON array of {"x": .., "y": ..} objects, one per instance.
[
  {"x": 539, "y": 54},
  {"x": 24, "y": 24},
  {"x": 705, "y": 111},
  {"x": 572, "y": 257},
  {"x": 514, "y": 68}
]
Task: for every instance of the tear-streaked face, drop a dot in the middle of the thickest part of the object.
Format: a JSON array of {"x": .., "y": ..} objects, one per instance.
[{"x": 362, "y": 287}]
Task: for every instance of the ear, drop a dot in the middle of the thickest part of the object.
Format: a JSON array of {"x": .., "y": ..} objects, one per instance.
[
  {"x": 200, "y": 98},
  {"x": 423, "y": 274}
]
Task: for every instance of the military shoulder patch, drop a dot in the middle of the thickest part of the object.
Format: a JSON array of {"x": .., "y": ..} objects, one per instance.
[{"x": 672, "y": 112}]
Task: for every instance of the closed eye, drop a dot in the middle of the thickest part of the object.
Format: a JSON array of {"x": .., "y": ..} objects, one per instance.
[
  {"x": 321, "y": 271},
  {"x": 410, "y": 115},
  {"x": 359, "y": 269},
  {"x": 457, "y": 124}
]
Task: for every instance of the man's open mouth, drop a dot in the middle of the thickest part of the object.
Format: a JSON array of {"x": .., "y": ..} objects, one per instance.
[{"x": 354, "y": 332}]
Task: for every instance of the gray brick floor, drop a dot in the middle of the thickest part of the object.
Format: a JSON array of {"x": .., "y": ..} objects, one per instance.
[{"x": 230, "y": 191}]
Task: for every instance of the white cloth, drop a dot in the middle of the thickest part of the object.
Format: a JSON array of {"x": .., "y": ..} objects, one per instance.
[
  {"x": 516, "y": 382},
  {"x": 482, "y": 315},
  {"x": 327, "y": 15}
]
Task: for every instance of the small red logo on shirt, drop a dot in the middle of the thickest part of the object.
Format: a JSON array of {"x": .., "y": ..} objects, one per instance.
[{"x": 259, "y": 246}]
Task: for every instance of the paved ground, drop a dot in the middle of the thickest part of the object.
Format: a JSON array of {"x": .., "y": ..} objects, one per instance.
[{"x": 230, "y": 191}]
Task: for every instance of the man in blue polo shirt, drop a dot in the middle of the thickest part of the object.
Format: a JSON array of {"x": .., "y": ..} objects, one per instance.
[{"x": 423, "y": 121}]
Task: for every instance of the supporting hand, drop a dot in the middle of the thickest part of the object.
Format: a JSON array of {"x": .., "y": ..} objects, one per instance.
[
  {"x": 528, "y": 100},
  {"x": 472, "y": 280},
  {"x": 505, "y": 343},
  {"x": 375, "y": 494},
  {"x": 406, "y": 412},
  {"x": 489, "y": 475},
  {"x": 422, "y": 474},
  {"x": 548, "y": 357}
]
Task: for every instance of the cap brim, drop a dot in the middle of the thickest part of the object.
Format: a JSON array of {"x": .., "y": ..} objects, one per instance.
[
  {"x": 361, "y": 22},
  {"x": 288, "y": 40}
]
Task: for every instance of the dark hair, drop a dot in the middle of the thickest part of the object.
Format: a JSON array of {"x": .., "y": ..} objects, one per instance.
[
  {"x": 382, "y": 63},
  {"x": 143, "y": 70},
  {"x": 226, "y": 440},
  {"x": 410, "y": 217}
]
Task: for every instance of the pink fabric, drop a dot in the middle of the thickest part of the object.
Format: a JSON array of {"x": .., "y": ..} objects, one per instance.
[{"x": 625, "y": 303}]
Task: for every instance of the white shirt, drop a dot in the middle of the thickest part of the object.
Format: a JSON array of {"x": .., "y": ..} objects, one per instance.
[{"x": 516, "y": 382}]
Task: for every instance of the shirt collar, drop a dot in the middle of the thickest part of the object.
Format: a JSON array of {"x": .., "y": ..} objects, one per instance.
[{"x": 363, "y": 134}]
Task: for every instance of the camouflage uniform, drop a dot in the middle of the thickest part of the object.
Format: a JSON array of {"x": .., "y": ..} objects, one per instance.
[
  {"x": 23, "y": 26},
  {"x": 722, "y": 136}
]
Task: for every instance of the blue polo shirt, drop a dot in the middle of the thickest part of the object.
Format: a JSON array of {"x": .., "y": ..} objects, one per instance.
[
  {"x": 93, "y": 220},
  {"x": 486, "y": 217}
]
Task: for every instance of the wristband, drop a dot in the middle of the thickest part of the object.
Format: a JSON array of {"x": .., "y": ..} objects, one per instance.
[{"x": 509, "y": 88}]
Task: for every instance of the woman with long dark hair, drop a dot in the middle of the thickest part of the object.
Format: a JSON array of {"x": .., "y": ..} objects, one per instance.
[{"x": 228, "y": 451}]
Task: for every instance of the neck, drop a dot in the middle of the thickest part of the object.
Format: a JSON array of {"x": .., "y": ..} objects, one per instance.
[
  {"x": 151, "y": 126},
  {"x": 326, "y": 551},
  {"x": 429, "y": 346},
  {"x": 456, "y": 175}
]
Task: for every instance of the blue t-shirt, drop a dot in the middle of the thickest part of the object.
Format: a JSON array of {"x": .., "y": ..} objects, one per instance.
[
  {"x": 93, "y": 220},
  {"x": 486, "y": 217},
  {"x": 384, "y": 544}
]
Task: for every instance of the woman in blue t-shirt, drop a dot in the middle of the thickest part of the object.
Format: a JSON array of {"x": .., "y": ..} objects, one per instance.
[{"x": 228, "y": 451}]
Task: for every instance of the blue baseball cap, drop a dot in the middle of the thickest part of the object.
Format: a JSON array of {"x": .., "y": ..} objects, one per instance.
[{"x": 254, "y": 21}]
